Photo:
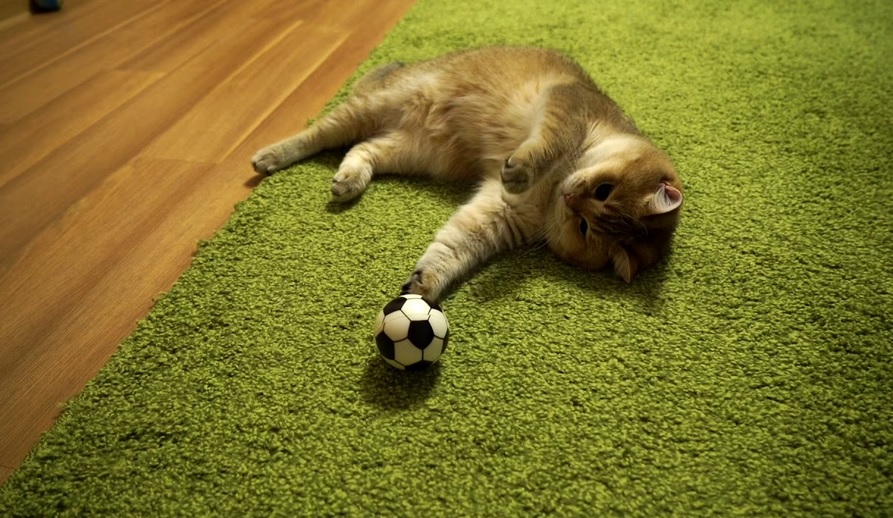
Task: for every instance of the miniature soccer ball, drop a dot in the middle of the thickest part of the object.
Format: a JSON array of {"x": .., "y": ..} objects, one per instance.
[{"x": 411, "y": 333}]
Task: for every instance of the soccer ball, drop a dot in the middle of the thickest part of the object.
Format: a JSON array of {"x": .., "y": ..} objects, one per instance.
[{"x": 411, "y": 333}]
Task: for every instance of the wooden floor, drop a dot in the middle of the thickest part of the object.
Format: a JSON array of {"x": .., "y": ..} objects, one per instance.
[{"x": 126, "y": 129}]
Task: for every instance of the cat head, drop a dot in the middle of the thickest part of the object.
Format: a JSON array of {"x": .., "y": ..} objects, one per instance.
[{"x": 620, "y": 206}]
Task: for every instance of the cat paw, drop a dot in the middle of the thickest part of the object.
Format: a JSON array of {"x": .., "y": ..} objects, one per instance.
[
  {"x": 266, "y": 161},
  {"x": 349, "y": 184},
  {"x": 413, "y": 281},
  {"x": 416, "y": 286},
  {"x": 516, "y": 175}
]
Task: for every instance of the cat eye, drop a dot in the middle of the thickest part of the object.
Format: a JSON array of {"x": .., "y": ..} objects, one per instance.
[
  {"x": 603, "y": 191},
  {"x": 584, "y": 226}
]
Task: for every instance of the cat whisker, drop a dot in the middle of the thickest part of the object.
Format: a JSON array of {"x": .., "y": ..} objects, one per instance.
[{"x": 637, "y": 226}]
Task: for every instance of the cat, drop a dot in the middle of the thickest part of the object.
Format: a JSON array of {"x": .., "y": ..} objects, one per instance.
[{"x": 553, "y": 157}]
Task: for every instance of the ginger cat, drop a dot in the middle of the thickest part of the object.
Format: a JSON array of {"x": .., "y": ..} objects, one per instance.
[{"x": 554, "y": 159}]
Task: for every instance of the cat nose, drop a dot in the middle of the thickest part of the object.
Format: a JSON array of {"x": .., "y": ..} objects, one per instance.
[{"x": 572, "y": 200}]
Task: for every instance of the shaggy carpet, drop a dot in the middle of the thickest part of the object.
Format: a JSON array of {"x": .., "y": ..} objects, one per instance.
[{"x": 748, "y": 374}]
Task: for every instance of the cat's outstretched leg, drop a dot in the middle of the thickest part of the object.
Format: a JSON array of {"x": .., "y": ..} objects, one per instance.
[
  {"x": 555, "y": 139},
  {"x": 359, "y": 164},
  {"x": 345, "y": 124},
  {"x": 483, "y": 227}
]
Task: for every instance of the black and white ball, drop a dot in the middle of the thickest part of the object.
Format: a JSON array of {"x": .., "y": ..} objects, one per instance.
[{"x": 411, "y": 333}]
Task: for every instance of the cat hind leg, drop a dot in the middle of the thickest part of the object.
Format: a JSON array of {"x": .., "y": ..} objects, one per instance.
[{"x": 344, "y": 125}]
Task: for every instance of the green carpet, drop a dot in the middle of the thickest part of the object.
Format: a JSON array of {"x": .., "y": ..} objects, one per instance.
[{"x": 750, "y": 374}]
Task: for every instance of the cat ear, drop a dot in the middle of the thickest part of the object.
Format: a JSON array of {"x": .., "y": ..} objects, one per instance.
[
  {"x": 625, "y": 264},
  {"x": 666, "y": 199}
]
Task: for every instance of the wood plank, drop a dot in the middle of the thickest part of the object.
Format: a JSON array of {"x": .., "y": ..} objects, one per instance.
[
  {"x": 102, "y": 255},
  {"x": 33, "y": 91},
  {"x": 120, "y": 229},
  {"x": 42, "y": 50},
  {"x": 25, "y": 30},
  {"x": 210, "y": 139},
  {"x": 310, "y": 97},
  {"x": 48, "y": 129},
  {"x": 34, "y": 199},
  {"x": 247, "y": 97},
  {"x": 184, "y": 44},
  {"x": 215, "y": 26},
  {"x": 12, "y": 8},
  {"x": 15, "y": 20}
]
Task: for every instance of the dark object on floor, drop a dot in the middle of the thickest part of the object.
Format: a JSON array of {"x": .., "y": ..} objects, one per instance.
[{"x": 45, "y": 6}]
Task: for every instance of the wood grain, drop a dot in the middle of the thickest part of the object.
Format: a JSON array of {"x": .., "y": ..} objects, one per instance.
[
  {"x": 88, "y": 157},
  {"x": 116, "y": 162},
  {"x": 37, "y": 49},
  {"x": 23, "y": 31},
  {"x": 156, "y": 21},
  {"x": 247, "y": 97},
  {"x": 62, "y": 119},
  {"x": 12, "y": 8}
]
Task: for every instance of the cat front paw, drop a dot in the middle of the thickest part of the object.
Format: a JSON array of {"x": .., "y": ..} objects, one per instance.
[
  {"x": 516, "y": 175},
  {"x": 266, "y": 161},
  {"x": 416, "y": 285},
  {"x": 350, "y": 183},
  {"x": 413, "y": 285}
]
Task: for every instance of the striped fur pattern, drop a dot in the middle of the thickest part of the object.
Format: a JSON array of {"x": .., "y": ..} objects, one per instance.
[{"x": 553, "y": 160}]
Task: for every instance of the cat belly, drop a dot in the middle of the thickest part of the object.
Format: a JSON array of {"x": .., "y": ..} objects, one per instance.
[
  {"x": 460, "y": 131},
  {"x": 461, "y": 154},
  {"x": 445, "y": 158}
]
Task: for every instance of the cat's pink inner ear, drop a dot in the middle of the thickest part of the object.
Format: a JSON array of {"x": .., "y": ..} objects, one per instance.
[{"x": 666, "y": 199}]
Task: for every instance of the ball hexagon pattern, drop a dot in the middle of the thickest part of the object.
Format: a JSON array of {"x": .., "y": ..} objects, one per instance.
[{"x": 411, "y": 333}]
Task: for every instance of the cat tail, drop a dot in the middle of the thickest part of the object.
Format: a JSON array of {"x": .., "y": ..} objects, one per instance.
[{"x": 376, "y": 79}]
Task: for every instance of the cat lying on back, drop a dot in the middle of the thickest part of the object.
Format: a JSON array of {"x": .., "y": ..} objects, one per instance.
[{"x": 554, "y": 159}]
